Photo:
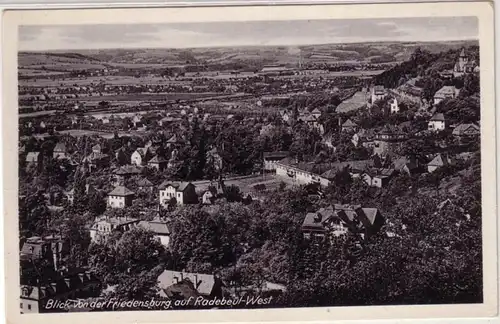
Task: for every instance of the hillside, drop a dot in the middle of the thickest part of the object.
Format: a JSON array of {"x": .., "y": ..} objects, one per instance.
[{"x": 327, "y": 53}]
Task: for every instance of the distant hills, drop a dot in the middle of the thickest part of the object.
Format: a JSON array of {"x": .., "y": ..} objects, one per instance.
[{"x": 379, "y": 52}]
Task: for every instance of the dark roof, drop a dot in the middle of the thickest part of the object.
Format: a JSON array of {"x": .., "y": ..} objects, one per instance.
[
  {"x": 121, "y": 191},
  {"x": 144, "y": 183},
  {"x": 277, "y": 154},
  {"x": 157, "y": 159},
  {"x": 438, "y": 117},
  {"x": 463, "y": 128},
  {"x": 156, "y": 226},
  {"x": 179, "y": 186},
  {"x": 128, "y": 169}
]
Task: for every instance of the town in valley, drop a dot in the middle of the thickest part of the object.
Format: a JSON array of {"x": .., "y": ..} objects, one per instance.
[{"x": 291, "y": 176}]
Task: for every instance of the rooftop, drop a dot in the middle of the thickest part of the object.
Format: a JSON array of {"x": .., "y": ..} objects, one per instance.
[{"x": 121, "y": 191}]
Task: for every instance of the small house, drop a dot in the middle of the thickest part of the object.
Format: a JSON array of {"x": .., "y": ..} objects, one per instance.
[
  {"x": 120, "y": 197},
  {"x": 437, "y": 123}
]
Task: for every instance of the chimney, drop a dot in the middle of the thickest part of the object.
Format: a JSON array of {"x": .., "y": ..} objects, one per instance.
[{"x": 176, "y": 279}]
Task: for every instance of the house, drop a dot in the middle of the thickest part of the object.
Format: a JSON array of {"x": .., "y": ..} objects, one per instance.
[
  {"x": 446, "y": 92},
  {"x": 387, "y": 139},
  {"x": 49, "y": 248},
  {"x": 356, "y": 168},
  {"x": 349, "y": 126},
  {"x": 36, "y": 294},
  {"x": 286, "y": 115},
  {"x": 103, "y": 227},
  {"x": 159, "y": 228},
  {"x": 59, "y": 151},
  {"x": 173, "y": 141},
  {"x": 125, "y": 172},
  {"x": 406, "y": 165},
  {"x": 145, "y": 184},
  {"x": 270, "y": 159},
  {"x": 137, "y": 121},
  {"x": 379, "y": 177},
  {"x": 183, "y": 192},
  {"x": 141, "y": 156},
  {"x": 437, "y": 123},
  {"x": 120, "y": 197},
  {"x": 437, "y": 162},
  {"x": 394, "y": 107},
  {"x": 158, "y": 163},
  {"x": 337, "y": 220},
  {"x": 463, "y": 64},
  {"x": 316, "y": 113},
  {"x": 208, "y": 197},
  {"x": 302, "y": 173},
  {"x": 378, "y": 93},
  {"x": 96, "y": 160},
  {"x": 365, "y": 137},
  {"x": 97, "y": 149},
  {"x": 206, "y": 285},
  {"x": 466, "y": 130},
  {"x": 34, "y": 159}
]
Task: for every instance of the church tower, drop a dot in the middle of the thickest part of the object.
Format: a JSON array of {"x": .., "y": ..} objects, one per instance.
[{"x": 462, "y": 60}]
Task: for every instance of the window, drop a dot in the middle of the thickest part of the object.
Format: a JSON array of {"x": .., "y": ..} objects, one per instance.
[
  {"x": 21, "y": 305},
  {"x": 29, "y": 306}
]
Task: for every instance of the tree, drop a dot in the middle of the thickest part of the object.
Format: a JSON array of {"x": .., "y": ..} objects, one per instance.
[{"x": 131, "y": 262}]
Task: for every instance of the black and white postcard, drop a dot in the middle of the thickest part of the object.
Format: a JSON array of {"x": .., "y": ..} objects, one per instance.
[{"x": 260, "y": 163}]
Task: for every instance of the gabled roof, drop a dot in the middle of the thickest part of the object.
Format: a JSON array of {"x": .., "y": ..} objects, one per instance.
[
  {"x": 156, "y": 226},
  {"x": 128, "y": 169},
  {"x": 203, "y": 283},
  {"x": 179, "y": 186},
  {"x": 144, "y": 183},
  {"x": 276, "y": 155},
  {"x": 121, "y": 191},
  {"x": 157, "y": 159},
  {"x": 438, "y": 161},
  {"x": 172, "y": 139},
  {"x": 60, "y": 147},
  {"x": 463, "y": 128},
  {"x": 437, "y": 117},
  {"x": 349, "y": 123},
  {"x": 446, "y": 90},
  {"x": 316, "y": 111}
]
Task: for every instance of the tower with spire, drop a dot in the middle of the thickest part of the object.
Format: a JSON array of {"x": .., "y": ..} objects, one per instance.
[{"x": 461, "y": 62}]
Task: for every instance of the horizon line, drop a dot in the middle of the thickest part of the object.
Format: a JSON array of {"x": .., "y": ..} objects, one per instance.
[{"x": 234, "y": 46}]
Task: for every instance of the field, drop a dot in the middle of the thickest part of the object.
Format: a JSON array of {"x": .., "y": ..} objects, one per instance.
[
  {"x": 357, "y": 101},
  {"x": 247, "y": 183}
]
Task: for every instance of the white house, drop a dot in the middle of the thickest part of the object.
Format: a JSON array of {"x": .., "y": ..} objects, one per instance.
[
  {"x": 394, "y": 106},
  {"x": 140, "y": 156},
  {"x": 183, "y": 192},
  {"x": 446, "y": 92},
  {"x": 120, "y": 197},
  {"x": 299, "y": 173},
  {"x": 159, "y": 228},
  {"x": 104, "y": 227},
  {"x": 378, "y": 93},
  {"x": 437, "y": 123}
]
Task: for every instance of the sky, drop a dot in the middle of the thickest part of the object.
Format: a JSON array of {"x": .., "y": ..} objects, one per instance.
[{"x": 251, "y": 33}]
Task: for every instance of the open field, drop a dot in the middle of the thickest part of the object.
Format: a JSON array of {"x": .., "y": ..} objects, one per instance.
[{"x": 247, "y": 183}]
